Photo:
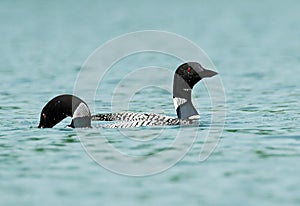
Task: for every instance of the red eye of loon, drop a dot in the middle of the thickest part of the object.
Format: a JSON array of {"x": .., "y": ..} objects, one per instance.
[{"x": 189, "y": 69}]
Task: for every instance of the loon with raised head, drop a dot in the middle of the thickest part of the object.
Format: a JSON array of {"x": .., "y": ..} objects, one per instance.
[{"x": 185, "y": 78}]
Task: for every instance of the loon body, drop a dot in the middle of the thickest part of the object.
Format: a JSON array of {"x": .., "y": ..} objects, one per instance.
[
  {"x": 133, "y": 119},
  {"x": 185, "y": 77}
]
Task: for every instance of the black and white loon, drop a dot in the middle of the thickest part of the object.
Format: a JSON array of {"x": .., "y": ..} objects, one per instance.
[{"x": 185, "y": 77}]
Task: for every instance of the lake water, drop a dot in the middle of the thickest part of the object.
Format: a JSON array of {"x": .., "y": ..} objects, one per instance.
[{"x": 256, "y": 50}]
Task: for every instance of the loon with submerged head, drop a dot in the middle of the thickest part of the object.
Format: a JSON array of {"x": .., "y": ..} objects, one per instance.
[
  {"x": 64, "y": 106},
  {"x": 186, "y": 77}
]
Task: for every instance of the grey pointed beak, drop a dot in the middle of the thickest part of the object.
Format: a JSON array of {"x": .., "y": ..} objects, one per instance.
[{"x": 207, "y": 73}]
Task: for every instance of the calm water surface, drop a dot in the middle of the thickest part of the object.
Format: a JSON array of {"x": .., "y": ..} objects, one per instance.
[{"x": 255, "y": 47}]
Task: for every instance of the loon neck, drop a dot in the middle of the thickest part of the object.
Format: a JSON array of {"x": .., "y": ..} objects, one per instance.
[
  {"x": 185, "y": 108},
  {"x": 81, "y": 116},
  {"x": 182, "y": 98}
]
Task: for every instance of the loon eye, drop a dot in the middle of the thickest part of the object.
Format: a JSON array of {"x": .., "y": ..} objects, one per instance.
[
  {"x": 44, "y": 115},
  {"x": 189, "y": 69}
]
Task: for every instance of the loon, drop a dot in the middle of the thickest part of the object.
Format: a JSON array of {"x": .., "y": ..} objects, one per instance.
[{"x": 185, "y": 78}]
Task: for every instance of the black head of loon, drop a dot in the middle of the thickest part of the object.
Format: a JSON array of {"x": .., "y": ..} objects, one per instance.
[
  {"x": 185, "y": 78},
  {"x": 64, "y": 106}
]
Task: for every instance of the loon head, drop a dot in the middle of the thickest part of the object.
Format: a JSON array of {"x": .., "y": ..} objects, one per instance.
[
  {"x": 189, "y": 74},
  {"x": 64, "y": 106},
  {"x": 185, "y": 78}
]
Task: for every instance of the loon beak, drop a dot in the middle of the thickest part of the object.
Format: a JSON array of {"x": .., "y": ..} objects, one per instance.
[{"x": 207, "y": 73}]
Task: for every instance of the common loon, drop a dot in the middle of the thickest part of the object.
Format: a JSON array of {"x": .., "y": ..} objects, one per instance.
[{"x": 185, "y": 77}]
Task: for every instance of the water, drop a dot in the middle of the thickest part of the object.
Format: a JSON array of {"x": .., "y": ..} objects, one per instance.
[{"x": 255, "y": 47}]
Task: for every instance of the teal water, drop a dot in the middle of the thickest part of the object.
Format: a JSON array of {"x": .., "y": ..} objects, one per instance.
[{"x": 255, "y": 47}]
